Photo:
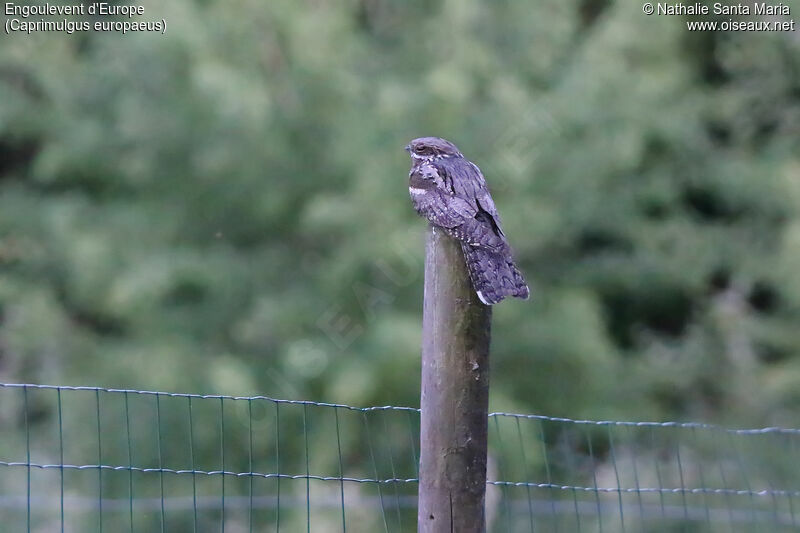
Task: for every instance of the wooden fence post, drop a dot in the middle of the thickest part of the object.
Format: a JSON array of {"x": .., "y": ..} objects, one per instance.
[{"x": 455, "y": 394}]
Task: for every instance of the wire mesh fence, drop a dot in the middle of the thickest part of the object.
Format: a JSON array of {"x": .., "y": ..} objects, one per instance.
[{"x": 95, "y": 459}]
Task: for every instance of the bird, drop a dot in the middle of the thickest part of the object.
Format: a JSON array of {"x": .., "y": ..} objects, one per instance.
[{"x": 451, "y": 193}]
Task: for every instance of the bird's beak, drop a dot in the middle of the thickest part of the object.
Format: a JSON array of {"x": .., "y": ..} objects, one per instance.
[{"x": 408, "y": 148}]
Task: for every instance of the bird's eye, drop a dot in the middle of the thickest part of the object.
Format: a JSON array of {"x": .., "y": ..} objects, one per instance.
[{"x": 420, "y": 149}]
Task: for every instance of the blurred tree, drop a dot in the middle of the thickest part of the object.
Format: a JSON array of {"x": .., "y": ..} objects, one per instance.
[{"x": 222, "y": 208}]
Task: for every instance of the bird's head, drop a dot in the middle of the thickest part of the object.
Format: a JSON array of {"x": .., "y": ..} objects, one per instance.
[{"x": 431, "y": 147}]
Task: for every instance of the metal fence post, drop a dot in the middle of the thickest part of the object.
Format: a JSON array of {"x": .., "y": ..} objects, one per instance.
[{"x": 455, "y": 394}]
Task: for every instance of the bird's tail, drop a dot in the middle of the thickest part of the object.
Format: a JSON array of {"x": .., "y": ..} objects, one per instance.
[{"x": 494, "y": 274}]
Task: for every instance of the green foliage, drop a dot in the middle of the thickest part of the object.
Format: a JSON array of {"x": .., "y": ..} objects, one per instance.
[
  {"x": 231, "y": 194},
  {"x": 222, "y": 208}
]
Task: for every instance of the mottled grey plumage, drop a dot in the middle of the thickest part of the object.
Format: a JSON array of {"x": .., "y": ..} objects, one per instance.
[{"x": 451, "y": 193}]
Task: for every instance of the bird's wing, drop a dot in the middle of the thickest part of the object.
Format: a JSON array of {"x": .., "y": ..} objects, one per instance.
[
  {"x": 436, "y": 202},
  {"x": 466, "y": 181}
]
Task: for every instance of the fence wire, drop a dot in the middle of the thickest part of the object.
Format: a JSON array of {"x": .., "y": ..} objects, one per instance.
[{"x": 99, "y": 459}]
